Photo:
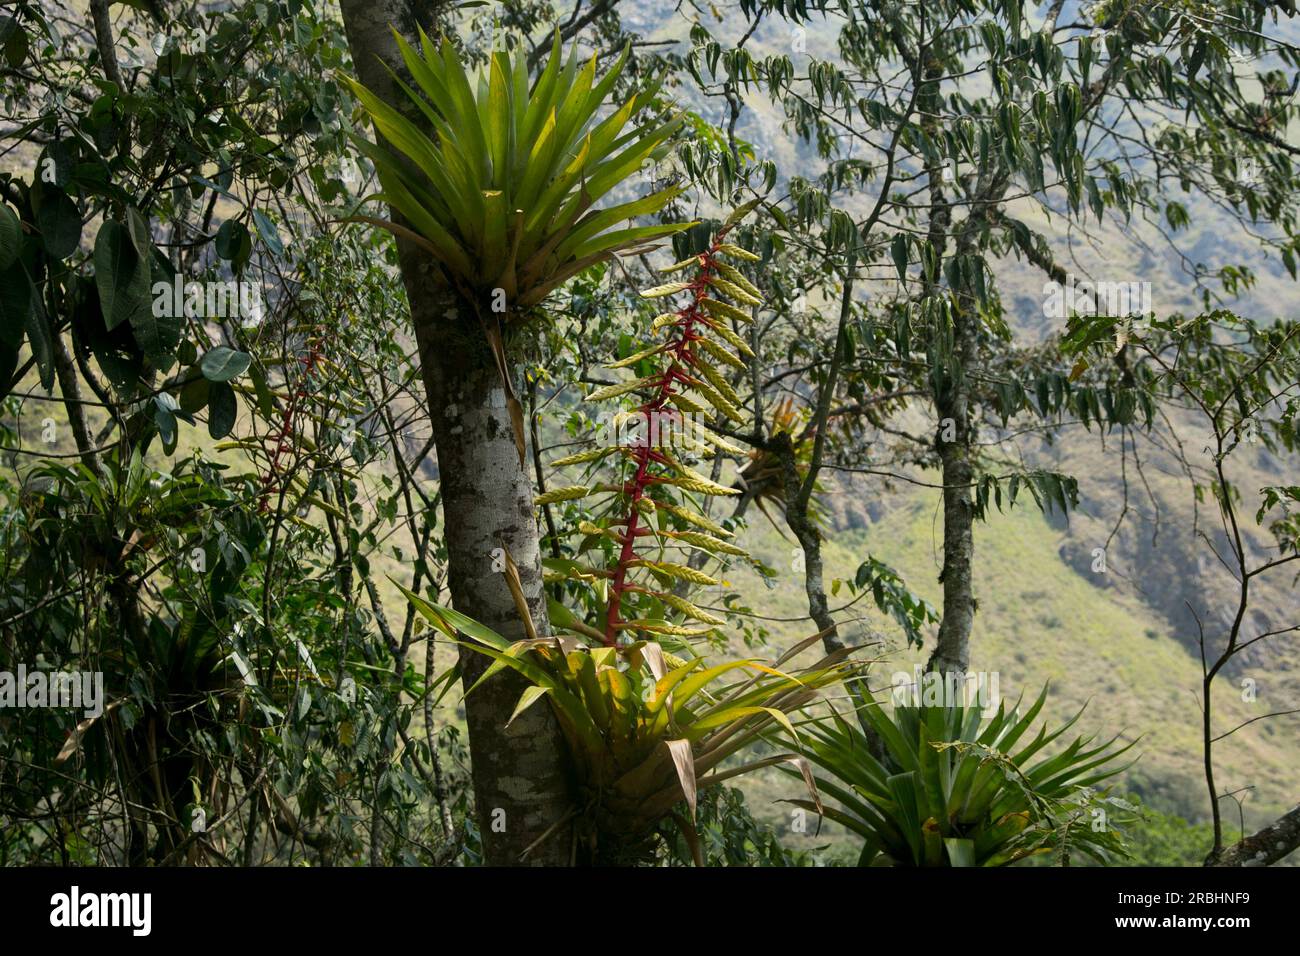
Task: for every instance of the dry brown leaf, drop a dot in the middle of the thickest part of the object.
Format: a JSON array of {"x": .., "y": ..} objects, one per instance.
[
  {"x": 73, "y": 743},
  {"x": 684, "y": 763}
]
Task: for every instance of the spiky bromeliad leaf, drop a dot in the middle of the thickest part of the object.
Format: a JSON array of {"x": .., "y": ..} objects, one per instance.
[
  {"x": 645, "y": 728},
  {"x": 956, "y": 787},
  {"x": 502, "y": 189}
]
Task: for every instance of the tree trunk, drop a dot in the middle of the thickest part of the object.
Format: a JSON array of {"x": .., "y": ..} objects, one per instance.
[
  {"x": 952, "y": 650},
  {"x": 521, "y": 784},
  {"x": 953, "y": 437}
]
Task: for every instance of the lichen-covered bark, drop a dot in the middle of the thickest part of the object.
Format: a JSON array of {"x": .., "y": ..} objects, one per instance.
[
  {"x": 521, "y": 787},
  {"x": 520, "y": 782},
  {"x": 952, "y": 649},
  {"x": 1265, "y": 847}
]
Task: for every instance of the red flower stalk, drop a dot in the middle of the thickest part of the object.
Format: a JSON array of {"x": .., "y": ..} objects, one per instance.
[
  {"x": 284, "y": 433},
  {"x": 653, "y": 411}
]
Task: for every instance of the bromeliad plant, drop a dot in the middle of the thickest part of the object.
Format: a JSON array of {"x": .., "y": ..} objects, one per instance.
[
  {"x": 503, "y": 194},
  {"x": 648, "y": 728},
  {"x": 764, "y": 475},
  {"x": 954, "y": 790}
]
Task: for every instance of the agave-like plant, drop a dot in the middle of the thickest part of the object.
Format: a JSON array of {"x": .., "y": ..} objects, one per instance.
[
  {"x": 503, "y": 195},
  {"x": 646, "y": 729},
  {"x": 954, "y": 789}
]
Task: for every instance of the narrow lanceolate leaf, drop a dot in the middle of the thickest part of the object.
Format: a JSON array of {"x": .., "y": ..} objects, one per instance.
[
  {"x": 724, "y": 310},
  {"x": 732, "y": 291},
  {"x": 690, "y": 517},
  {"x": 721, "y": 384},
  {"x": 721, "y": 354},
  {"x": 705, "y": 434},
  {"x": 736, "y": 342},
  {"x": 719, "y": 402},
  {"x": 561, "y": 577},
  {"x": 743, "y": 210},
  {"x": 622, "y": 388},
  {"x": 737, "y": 278},
  {"x": 659, "y": 291},
  {"x": 633, "y": 359},
  {"x": 530, "y": 696},
  {"x": 708, "y": 542},
  {"x": 663, "y": 627},
  {"x": 665, "y": 318},
  {"x": 687, "y": 404},
  {"x": 684, "y": 606},
  {"x": 582, "y": 457},
  {"x": 691, "y": 263},
  {"x": 571, "y": 493},
  {"x": 698, "y": 483},
  {"x": 679, "y": 571},
  {"x": 727, "y": 249}
]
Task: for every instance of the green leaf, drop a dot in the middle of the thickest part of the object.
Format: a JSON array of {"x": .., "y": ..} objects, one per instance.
[
  {"x": 899, "y": 250},
  {"x": 15, "y": 305},
  {"x": 121, "y": 276},
  {"x": 58, "y": 221},
  {"x": 156, "y": 332},
  {"x": 39, "y": 337},
  {"x": 222, "y": 409},
  {"x": 530, "y": 696},
  {"x": 164, "y": 416},
  {"x": 194, "y": 394},
  {"x": 223, "y": 363},
  {"x": 233, "y": 243},
  {"x": 16, "y": 48},
  {"x": 269, "y": 235},
  {"x": 11, "y": 237},
  {"x": 137, "y": 228}
]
